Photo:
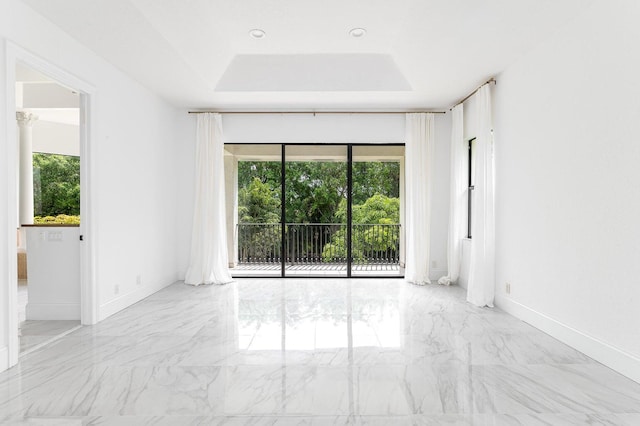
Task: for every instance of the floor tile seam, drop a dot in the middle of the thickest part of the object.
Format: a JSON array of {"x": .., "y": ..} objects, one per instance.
[
  {"x": 533, "y": 412},
  {"x": 139, "y": 336},
  {"x": 568, "y": 364},
  {"x": 523, "y": 364},
  {"x": 396, "y": 367},
  {"x": 337, "y": 417},
  {"x": 53, "y": 339}
]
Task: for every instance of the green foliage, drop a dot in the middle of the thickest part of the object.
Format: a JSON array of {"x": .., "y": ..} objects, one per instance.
[
  {"x": 313, "y": 191},
  {"x": 316, "y": 192},
  {"x": 56, "y": 185},
  {"x": 375, "y": 177},
  {"x": 60, "y": 219},
  {"x": 258, "y": 202},
  {"x": 376, "y": 209},
  {"x": 367, "y": 239},
  {"x": 266, "y": 171},
  {"x": 336, "y": 250}
]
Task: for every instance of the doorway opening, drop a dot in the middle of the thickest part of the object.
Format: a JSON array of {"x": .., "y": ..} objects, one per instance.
[
  {"x": 321, "y": 210},
  {"x": 48, "y": 211}
]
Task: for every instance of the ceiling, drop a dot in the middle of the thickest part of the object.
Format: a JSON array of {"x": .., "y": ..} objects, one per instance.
[{"x": 422, "y": 54}]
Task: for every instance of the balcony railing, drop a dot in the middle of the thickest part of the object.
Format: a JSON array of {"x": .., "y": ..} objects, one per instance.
[{"x": 318, "y": 243}]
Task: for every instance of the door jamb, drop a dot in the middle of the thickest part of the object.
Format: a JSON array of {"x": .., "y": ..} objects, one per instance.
[{"x": 88, "y": 285}]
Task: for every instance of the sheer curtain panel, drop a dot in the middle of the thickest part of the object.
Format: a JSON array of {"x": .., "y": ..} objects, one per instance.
[
  {"x": 481, "y": 288},
  {"x": 418, "y": 164},
  {"x": 209, "y": 259},
  {"x": 457, "y": 196}
]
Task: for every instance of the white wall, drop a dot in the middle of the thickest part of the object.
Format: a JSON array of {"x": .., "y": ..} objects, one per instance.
[
  {"x": 54, "y": 273},
  {"x": 135, "y": 173},
  {"x": 568, "y": 185},
  {"x": 310, "y": 128},
  {"x": 186, "y": 156},
  {"x": 440, "y": 197},
  {"x": 340, "y": 128}
]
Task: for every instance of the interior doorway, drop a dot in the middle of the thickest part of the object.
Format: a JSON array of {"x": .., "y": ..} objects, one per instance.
[
  {"x": 315, "y": 210},
  {"x": 48, "y": 210}
]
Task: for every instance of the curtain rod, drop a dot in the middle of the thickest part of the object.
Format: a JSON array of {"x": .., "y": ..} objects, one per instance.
[
  {"x": 316, "y": 112},
  {"x": 491, "y": 80}
]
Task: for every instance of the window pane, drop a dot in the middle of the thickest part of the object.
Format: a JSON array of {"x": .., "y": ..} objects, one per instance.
[
  {"x": 316, "y": 199},
  {"x": 56, "y": 188},
  {"x": 254, "y": 231},
  {"x": 376, "y": 231}
]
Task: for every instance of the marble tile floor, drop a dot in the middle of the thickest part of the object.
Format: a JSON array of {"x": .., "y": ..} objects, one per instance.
[
  {"x": 312, "y": 352},
  {"x": 36, "y": 333}
]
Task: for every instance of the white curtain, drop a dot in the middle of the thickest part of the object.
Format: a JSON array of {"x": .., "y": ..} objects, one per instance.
[
  {"x": 457, "y": 196},
  {"x": 481, "y": 288},
  {"x": 209, "y": 259},
  {"x": 418, "y": 164}
]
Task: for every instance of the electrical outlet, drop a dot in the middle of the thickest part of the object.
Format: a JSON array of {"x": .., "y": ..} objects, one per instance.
[
  {"x": 139, "y": 279},
  {"x": 54, "y": 236},
  {"x": 507, "y": 288},
  {"x": 434, "y": 264},
  {"x": 116, "y": 289}
]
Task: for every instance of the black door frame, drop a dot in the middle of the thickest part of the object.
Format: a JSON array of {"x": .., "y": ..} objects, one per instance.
[{"x": 283, "y": 151}]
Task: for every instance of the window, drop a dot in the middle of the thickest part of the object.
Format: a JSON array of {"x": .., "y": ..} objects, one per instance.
[
  {"x": 471, "y": 183},
  {"x": 56, "y": 188}
]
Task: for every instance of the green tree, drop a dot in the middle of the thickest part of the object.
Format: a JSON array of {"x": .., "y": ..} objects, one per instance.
[
  {"x": 258, "y": 202},
  {"x": 56, "y": 184},
  {"x": 375, "y": 177},
  {"x": 372, "y": 232},
  {"x": 314, "y": 190},
  {"x": 377, "y": 209},
  {"x": 266, "y": 171}
]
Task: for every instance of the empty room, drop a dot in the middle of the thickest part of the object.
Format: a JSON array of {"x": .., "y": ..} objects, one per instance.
[{"x": 418, "y": 212}]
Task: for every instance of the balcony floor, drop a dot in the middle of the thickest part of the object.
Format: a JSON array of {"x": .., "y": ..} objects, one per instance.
[{"x": 315, "y": 269}]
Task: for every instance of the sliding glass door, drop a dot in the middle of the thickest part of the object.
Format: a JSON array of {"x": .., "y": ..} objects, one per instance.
[
  {"x": 254, "y": 209},
  {"x": 323, "y": 210},
  {"x": 376, "y": 234},
  {"x": 316, "y": 192}
]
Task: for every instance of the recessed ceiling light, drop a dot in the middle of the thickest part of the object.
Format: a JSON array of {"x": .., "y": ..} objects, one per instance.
[
  {"x": 357, "y": 32},
  {"x": 257, "y": 33}
]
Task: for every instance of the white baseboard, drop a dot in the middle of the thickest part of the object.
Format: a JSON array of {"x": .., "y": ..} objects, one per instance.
[
  {"x": 121, "y": 302},
  {"x": 4, "y": 358},
  {"x": 614, "y": 358},
  {"x": 53, "y": 311}
]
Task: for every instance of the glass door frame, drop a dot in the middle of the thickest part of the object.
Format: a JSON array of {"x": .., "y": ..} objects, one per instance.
[{"x": 349, "y": 224}]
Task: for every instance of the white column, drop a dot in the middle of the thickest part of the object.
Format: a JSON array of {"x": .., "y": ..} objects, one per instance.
[
  {"x": 231, "y": 198},
  {"x": 25, "y": 124}
]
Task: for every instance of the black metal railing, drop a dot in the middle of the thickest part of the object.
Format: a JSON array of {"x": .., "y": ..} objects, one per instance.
[
  {"x": 315, "y": 243},
  {"x": 375, "y": 244},
  {"x": 259, "y": 243}
]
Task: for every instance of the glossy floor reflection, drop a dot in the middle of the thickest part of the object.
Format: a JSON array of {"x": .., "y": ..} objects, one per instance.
[
  {"x": 318, "y": 352},
  {"x": 38, "y": 333}
]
